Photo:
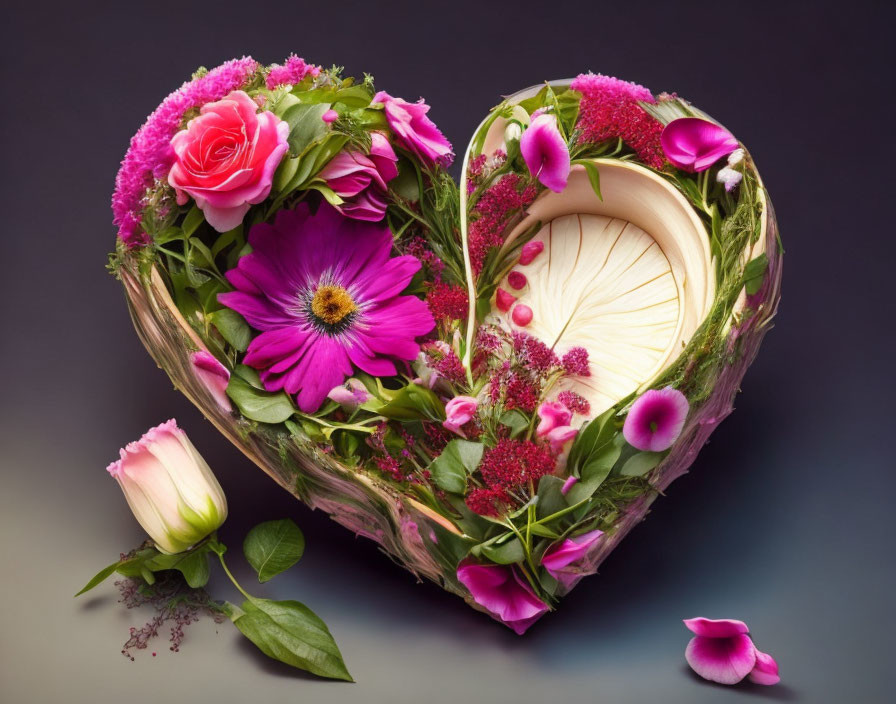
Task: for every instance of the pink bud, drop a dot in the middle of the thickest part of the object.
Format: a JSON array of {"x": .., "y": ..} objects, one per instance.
[
  {"x": 530, "y": 251},
  {"x": 552, "y": 415},
  {"x": 522, "y": 315},
  {"x": 458, "y": 411},
  {"x": 504, "y": 300},
  {"x": 330, "y": 116},
  {"x": 516, "y": 279}
]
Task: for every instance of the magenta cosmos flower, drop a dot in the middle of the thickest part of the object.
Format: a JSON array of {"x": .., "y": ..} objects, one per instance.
[
  {"x": 721, "y": 651},
  {"x": 656, "y": 419},
  {"x": 545, "y": 153},
  {"x": 325, "y": 293},
  {"x": 695, "y": 144},
  {"x": 415, "y": 130},
  {"x": 500, "y": 590}
]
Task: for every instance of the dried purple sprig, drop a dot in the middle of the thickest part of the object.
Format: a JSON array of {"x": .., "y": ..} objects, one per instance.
[{"x": 175, "y": 603}]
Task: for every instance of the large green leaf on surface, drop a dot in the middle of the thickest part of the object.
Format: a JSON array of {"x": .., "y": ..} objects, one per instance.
[{"x": 273, "y": 547}]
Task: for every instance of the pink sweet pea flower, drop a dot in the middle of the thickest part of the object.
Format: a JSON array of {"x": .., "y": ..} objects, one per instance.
[
  {"x": 226, "y": 157},
  {"x": 695, "y": 144},
  {"x": 656, "y": 419},
  {"x": 500, "y": 590},
  {"x": 213, "y": 375},
  {"x": 545, "y": 152},
  {"x": 552, "y": 415},
  {"x": 560, "y": 558},
  {"x": 459, "y": 410},
  {"x": 721, "y": 651},
  {"x": 360, "y": 179},
  {"x": 560, "y": 439},
  {"x": 417, "y": 133},
  {"x": 350, "y": 395}
]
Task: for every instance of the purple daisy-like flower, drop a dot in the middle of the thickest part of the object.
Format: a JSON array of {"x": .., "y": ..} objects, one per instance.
[
  {"x": 656, "y": 419},
  {"x": 324, "y": 291}
]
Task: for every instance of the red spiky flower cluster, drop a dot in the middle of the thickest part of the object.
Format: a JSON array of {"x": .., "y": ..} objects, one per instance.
[
  {"x": 507, "y": 469},
  {"x": 447, "y": 302},
  {"x": 493, "y": 211}
]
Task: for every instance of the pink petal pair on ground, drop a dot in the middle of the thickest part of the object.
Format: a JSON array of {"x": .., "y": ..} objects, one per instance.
[{"x": 722, "y": 651}]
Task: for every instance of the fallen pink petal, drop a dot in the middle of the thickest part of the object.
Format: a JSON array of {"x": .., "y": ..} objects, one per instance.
[
  {"x": 531, "y": 250},
  {"x": 722, "y": 651},
  {"x": 695, "y": 144}
]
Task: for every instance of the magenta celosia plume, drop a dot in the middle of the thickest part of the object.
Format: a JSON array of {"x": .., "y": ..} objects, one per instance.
[
  {"x": 500, "y": 590},
  {"x": 722, "y": 651},
  {"x": 417, "y": 133},
  {"x": 610, "y": 109},
  {"x": 545, "y": 153},
  {"x": 695, "y": 144},
  {"x": 150, "y": 154},
  {"x": 325, "y": 293},
  {"x": 360, "y": 179},
  {"x": 293, "y": 71},
  {"x": 656, "y": 419},
  {"x": 225, "y": 159}
]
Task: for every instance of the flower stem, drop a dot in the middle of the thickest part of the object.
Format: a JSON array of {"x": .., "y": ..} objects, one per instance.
[{"x": 232, "y": 578}]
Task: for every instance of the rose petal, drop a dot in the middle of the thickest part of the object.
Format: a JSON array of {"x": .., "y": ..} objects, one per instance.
[
  {"x": 722, "y": 660},
  {"x": 716, "y": 628}
]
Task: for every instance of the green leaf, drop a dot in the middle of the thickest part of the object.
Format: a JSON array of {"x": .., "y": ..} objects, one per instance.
[
  {"x": 101, "y": 576},
  {"x": 507, "y": 553},
  {"x": 413, "y": 402},
  {"x": 305, "y": 125},
  {"x": 192, "y": 565},
  {"x": 406, "y": 184},
  {"x": 328, "y": 193},
  {"x": 256, "y": 404},
  {"x": 641, "y": 463},
  {"x": 233, "y": 328},
  {"x": 457, "y": 461},
  {"x": 593, "y": 174},
  {"x": 550, "y": 497},
  {"x": 285, "y": 173},
  {"x": 273, "y": 547},
  {"x": 594, "y": 472},
  {"x": 754, "y": 273},
  {"x": 353, "y": 97},
  {"x": 192, "y": 221},
  {"x": 515, "y": 420},
  {"x": 292, "y": 633},
  {"x": 591, "y": 440}
]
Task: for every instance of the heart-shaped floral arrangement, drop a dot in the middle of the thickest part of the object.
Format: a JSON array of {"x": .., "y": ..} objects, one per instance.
[{"x": 493, "y": 381}]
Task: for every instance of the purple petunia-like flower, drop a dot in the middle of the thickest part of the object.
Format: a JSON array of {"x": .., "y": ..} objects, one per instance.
[
  {"x": 656, "y": 419},
  {"x": 503, "y": 593},
  {"x": 324, "y": 291}
]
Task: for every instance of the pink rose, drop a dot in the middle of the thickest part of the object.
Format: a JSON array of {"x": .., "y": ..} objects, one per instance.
[
  {"x": 415, "y": 130},
  {"x": 360, "y": 179},
  {"x": 225, "y": 158},
  {"x": 459, "y": 410}
]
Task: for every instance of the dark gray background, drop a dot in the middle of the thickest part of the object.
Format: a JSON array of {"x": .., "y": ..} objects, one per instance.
[{"x": 785, "y": 520}]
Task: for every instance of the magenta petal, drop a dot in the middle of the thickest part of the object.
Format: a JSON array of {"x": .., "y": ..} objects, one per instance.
[
  {"x": 213, "y": 375},
  {"x": 716, "y": 628},
  {"x": 501, "y": 591},
  {"x": 559, "y": 559},
  {"x": 695, "y": 144},
  {"x": 765, "y": 671},
  {"x": 722, "y": 660},
  {"x": 545, "y": 152}
]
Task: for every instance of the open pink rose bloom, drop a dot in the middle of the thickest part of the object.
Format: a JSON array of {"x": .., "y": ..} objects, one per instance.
[{"x": 492, "y": 379}]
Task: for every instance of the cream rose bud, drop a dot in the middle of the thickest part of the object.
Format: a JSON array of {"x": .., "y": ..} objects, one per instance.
[{"x": 170, "y": 488}]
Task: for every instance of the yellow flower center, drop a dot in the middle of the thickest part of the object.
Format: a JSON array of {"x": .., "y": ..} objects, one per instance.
[{"x": 331, "y": 304}]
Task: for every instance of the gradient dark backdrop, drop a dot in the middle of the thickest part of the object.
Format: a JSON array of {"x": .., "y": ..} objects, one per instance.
[{"x": 785, "y": 520}]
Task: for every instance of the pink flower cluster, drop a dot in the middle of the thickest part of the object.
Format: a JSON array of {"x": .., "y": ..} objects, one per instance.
[
  {"x": 609, "y": 110},
  {"x": 150, "y": 154},
  {"x": 508, "y": 467},
  {"x": 293, "y": 71}
]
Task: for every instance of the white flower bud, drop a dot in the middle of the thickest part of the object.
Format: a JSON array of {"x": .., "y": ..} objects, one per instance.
[{"x": 170, "y": 488}]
